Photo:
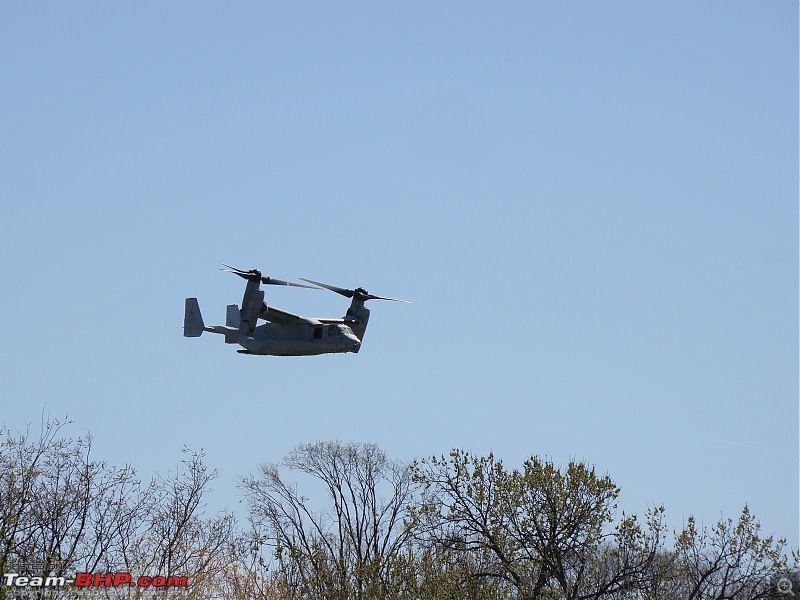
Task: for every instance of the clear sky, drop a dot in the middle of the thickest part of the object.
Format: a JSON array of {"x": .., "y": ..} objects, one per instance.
[{"x": 592, "y": 206}]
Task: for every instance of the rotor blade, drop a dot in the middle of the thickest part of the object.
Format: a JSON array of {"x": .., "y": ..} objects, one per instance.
[
  {"x": 373, "y": 297},
  {"x": 349, "y": 293},
  {"x": 249, "y": 275},
  {"x": 344, "y": 292},
  {"x": 273, "y": 281},
  {"x": 230, "y": 269},
  {"x": 255, "y": 275}
]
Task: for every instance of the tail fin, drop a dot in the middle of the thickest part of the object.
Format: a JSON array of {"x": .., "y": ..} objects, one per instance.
[
  {"x": 232, "y": 319},
  {"x": 192, "y": 319},
  {"x": 232, "y": 316}
]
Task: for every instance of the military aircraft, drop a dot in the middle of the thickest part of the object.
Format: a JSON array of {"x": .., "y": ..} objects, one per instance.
[{"x": 284, "y": 333}]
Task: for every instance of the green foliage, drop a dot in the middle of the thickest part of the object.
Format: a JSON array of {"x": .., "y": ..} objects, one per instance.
[
  {"x": 540, "y": 531},
  {"x": 461, "y": 527},
  {"x": 731, "y": 560}
]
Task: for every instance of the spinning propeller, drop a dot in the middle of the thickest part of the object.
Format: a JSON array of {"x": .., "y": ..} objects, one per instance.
[
  {"x": 255, "y": 276},
  {"x": 359, "y": 293}
]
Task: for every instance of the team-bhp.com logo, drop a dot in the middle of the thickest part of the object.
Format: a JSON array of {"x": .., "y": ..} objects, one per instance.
[{"x": 88, "y": 580}]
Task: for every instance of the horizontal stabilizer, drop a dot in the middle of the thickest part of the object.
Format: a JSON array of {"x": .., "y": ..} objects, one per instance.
[{"x": 192, "y": 319}]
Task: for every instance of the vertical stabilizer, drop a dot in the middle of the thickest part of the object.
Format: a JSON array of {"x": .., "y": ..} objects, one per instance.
[
  {"x": 192, "y": 319},
  {"x": 232, "y": 319}
]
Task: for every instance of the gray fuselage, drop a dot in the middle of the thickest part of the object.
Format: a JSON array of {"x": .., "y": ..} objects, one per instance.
[{"x": 279, "y": 339}]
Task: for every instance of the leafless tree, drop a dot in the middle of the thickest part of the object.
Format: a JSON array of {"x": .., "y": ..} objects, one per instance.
[
  {"x": 174, "y": 537},
  {"x": 346, "y": 551},
  {"x": 62, "y": 512}
]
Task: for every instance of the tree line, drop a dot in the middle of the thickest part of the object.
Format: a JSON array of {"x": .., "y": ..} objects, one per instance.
[{"x": 460, "y": 526}]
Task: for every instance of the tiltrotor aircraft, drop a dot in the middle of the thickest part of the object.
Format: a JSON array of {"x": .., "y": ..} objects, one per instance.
[{"x": 284, "y": 333}]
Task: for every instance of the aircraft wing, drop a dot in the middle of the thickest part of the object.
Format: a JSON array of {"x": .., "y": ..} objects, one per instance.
[{"x": 276, "y": 315}]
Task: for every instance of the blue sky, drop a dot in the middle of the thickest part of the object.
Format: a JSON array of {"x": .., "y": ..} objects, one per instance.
[{"x": 593, "y": 207}]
